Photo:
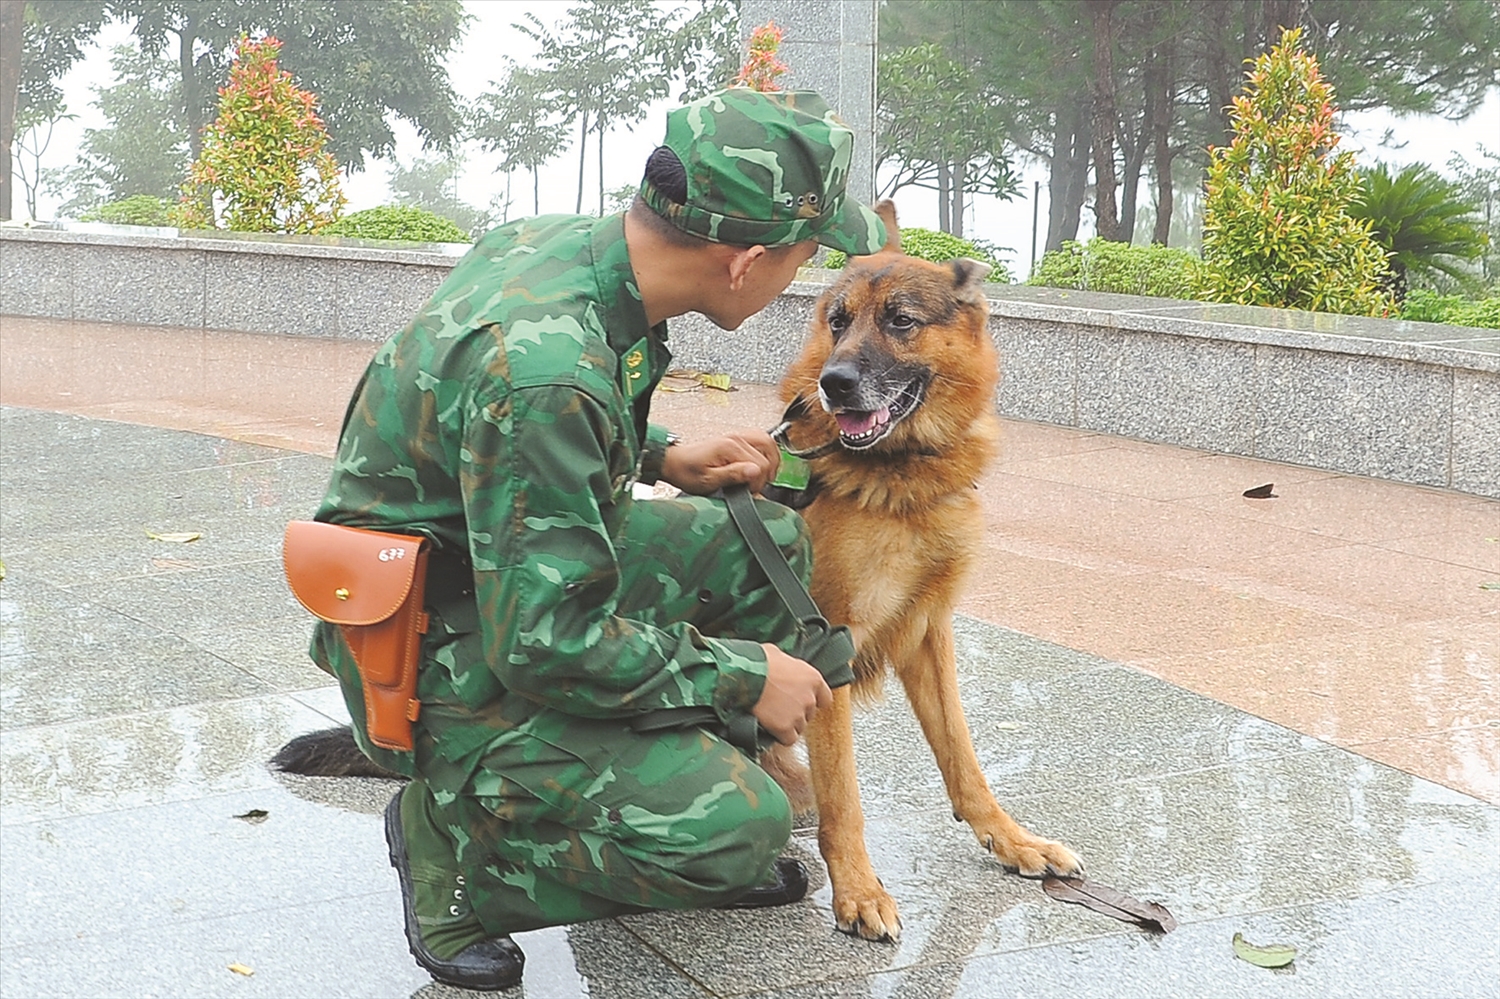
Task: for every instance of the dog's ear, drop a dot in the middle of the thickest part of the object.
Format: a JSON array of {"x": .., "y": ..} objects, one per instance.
[
  {"x": 968, "y": 273},
  {"x": 886, "y": 209}
]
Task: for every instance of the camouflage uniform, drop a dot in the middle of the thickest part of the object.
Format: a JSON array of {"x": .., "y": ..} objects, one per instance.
[{"x": 508, "y": 424}]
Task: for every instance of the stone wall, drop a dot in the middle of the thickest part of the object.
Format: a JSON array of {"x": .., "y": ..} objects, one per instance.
[{"x": 1413, "y": 402}]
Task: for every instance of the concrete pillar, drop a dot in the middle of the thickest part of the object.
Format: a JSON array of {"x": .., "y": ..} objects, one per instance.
[{"x": 830, "y": 47}]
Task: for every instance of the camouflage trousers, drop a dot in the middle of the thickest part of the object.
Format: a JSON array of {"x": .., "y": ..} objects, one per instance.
[{"x": 565, "y": 819}]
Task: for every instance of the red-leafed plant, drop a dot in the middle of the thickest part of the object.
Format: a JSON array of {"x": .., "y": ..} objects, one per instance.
[
  {"x": 762, "y": 68},
  {"x": 1276, "y": 224},
  {"x": 264, "y": 167}
]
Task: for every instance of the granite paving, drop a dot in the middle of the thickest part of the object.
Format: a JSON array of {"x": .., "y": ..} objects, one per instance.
[{"x": 145, "y": 847}]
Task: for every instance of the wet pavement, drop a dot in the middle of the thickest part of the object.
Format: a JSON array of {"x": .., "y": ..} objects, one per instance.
[{"x": 1278, "y": 718}]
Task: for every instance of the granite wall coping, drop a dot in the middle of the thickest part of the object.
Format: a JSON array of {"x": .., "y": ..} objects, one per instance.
[{"x": 212, "y": 241}]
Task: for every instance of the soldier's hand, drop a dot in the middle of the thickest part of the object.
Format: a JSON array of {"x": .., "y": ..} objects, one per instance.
[
  {"x": 744, "y": 456},
  {"x": 793, "y": 693}
]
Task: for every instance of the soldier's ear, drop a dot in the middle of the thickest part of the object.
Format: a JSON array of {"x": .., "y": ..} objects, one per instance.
[{"x": 740, "y": 263}]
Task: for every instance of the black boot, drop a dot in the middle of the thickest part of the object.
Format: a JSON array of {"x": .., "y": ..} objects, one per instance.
[
  {"x": 435, "y": 901},
  {"x": 787, "y": 884}
]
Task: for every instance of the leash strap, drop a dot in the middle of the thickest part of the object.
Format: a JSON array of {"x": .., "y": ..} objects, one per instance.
[{"x": 830, "y": 650}]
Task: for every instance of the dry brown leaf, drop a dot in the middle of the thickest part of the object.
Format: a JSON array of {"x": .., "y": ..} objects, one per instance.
[
  {"x": 1110, "y": 902},
  {"x": 172, "y": 563},
  {"x": 680, "y": 380},
  {"x": 1260, "y": 492},
  {"x": 255, "y": 816}
]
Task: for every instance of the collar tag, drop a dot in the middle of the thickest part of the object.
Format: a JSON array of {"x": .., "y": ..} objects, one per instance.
[{"x": 635, "y": 368}]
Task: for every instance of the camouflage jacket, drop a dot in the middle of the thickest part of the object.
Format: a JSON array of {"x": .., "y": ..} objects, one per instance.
[{"x": 507, "y": 423}]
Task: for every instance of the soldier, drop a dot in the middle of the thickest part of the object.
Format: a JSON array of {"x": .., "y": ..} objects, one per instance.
[{"x": 507, "y": 423}]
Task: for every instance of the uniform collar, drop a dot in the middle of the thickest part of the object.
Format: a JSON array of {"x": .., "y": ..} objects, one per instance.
[{"x": 624, "y": 316}]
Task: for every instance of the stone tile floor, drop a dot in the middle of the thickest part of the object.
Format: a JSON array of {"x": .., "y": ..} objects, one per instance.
[{"x": 1279, "y": 718}]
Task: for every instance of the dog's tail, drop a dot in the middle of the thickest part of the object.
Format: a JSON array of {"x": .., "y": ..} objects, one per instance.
[{"x": 329, "y": 752}]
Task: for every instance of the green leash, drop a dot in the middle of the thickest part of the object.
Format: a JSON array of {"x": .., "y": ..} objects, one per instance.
[{"x": 829, "y": 649}]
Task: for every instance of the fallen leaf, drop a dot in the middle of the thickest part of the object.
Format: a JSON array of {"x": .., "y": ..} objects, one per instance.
[
  {"x": 2, "y": 570},
  {"x": 1110, "y": 902},
  {"x": 1009, "y": 726},
  {"x": 1260, "y": 492},
  {"x": 680, "y": 380},
  {"x": 172, "y": 563},
  {"x": 176, "y": 537},
  {"x": 240, "y": 969},
  {"x": 691, "y": 379},
  {"x": 255, "y": 816},
  {"x": 1273, "y": 956},
  {"x": 1493, "y": 541},
  {"x": 1489, "y": 586}
]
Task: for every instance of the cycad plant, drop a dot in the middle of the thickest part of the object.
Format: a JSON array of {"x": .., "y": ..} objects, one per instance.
[{"x": 1424, "y": 222}]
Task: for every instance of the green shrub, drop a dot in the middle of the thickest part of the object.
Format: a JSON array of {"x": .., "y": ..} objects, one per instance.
[
  {"x": 1484, "y": 313},
  {"x": 1429, "y": 307},
  {"x": 1104, "y": 265},
  {"x": 414, "y": 225},
  {"x": 138, "y": 209},
  {"x": 1276, "y": 226},
  {"x": 939, "y": 248}
]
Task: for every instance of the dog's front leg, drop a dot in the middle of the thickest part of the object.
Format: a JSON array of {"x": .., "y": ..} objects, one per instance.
[
  {"x": 861, "y": 904},
  {"x": 931, "y": 682}
]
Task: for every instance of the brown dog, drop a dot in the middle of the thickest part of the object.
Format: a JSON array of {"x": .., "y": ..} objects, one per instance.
[{"x": 900, "y": 369}]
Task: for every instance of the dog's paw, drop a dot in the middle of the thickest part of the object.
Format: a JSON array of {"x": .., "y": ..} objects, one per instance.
[
  {"x": 867, "y": 912},
  {"x": 1033, "y": 857}
]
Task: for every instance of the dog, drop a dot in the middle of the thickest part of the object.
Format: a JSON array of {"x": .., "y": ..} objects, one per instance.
[{"x": 900, "y": 371}]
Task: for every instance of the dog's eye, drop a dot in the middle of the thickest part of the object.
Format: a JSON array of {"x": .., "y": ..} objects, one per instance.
[
  {"x": 838, "y": 321},
  {"x": 903, "y": 322}
]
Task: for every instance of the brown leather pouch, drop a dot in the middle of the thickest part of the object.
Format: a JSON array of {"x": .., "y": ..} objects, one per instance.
[{"x": 371, "y": 584}]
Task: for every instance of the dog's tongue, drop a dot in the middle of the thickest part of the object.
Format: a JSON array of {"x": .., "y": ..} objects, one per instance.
[{"x": 853, "y": 424}]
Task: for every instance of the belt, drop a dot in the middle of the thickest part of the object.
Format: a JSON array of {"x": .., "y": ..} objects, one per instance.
[{"x": 450, "y": 589}]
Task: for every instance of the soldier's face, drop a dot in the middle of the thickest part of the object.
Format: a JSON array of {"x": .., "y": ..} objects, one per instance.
[{"x": 768, "y": 276}]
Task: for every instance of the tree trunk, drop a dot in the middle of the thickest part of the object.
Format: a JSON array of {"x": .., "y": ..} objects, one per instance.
[
  {"x": 536, "y": 190},
  {"x": 943, "y": 202},
  {"x": 1068, "y": 181},
  {"x": 1222, "y": 72},
  {"x": 192, "y": 101},
  {"x": 956, "y": 192},
  {"x": 1106, "y": 214},
  {"x": 1278, "y": 14},
  {"x": 1162, "y": 151},
  {"x": 583, "y": 144},
  {"x": 12, "y": 17},
  {"x": 599, "y": 149}
]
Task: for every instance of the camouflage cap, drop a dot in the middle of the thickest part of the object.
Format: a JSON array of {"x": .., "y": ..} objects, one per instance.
[{"x": 768, "y": 169}]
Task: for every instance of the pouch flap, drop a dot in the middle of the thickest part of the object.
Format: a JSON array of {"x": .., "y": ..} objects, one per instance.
[{"x": 349, "y": 575}]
